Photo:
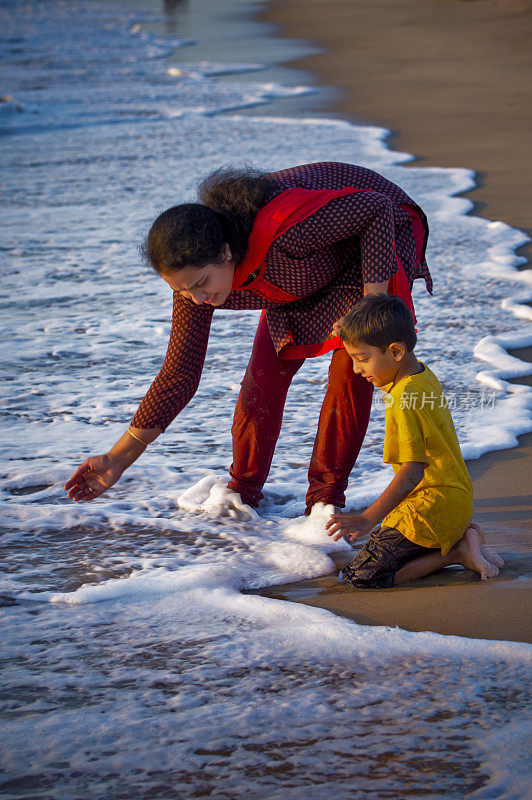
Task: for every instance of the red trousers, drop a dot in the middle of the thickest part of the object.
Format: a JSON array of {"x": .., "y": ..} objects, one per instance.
[{"x": 258, "y": 416}]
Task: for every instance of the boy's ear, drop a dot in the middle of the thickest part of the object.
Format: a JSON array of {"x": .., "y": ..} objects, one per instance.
[{"x": 398, "y": 350}]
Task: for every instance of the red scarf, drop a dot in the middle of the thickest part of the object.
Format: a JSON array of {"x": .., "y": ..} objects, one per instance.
[{"x": 287, "y": 209}]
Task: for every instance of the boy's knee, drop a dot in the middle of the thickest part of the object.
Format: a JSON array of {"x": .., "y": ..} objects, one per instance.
[
  {"x": 386, "y": 551},
  {"x": 367, "y": 571}
]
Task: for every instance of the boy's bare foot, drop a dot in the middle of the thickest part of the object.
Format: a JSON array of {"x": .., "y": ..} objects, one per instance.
[
  {"x": 467, "y": 552},
  {"x": 489, "y": 553}
]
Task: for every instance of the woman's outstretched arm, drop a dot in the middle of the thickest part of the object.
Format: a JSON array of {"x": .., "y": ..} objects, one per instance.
[
  {"x": 169, "y": 393},
  {"x": 179, "y": 376}
]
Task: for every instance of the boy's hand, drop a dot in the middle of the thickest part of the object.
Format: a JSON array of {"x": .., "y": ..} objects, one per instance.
[{"x": 350, "y": 526}]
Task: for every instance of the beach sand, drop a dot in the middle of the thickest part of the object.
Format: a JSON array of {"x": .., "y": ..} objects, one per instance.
[{"x": 451, "y": 79}]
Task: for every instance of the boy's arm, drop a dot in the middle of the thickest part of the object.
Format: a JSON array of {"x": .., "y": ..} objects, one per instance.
[{"x": 406, "y": 480}]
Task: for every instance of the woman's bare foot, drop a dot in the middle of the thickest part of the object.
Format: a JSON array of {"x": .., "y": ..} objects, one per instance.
[
  {"x": 489, "y": 553},
  {"x": 467, "y": 552}
]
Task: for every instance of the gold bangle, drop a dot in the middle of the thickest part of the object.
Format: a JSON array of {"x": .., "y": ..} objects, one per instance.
[{"x": 134, "y": 435}]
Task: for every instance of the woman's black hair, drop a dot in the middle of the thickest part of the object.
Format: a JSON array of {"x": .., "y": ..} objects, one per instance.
[
  {"x": 194, "y": 234},
  {"x": 379, "y": 320}
]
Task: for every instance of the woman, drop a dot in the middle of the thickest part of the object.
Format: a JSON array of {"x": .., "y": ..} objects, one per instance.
[{"x": 303, "y": 244}]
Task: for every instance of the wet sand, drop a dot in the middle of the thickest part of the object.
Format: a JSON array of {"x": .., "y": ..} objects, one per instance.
[{"x": 452, "y": 79}]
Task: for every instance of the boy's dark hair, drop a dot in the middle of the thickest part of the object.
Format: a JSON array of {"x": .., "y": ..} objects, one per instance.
[{"x": 379, "y": 320}]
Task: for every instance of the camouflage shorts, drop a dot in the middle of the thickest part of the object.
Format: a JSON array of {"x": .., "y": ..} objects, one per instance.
[{"x": 385, "y": 552}]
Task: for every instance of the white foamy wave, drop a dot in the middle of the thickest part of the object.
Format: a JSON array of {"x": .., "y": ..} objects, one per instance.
[
  {"x": 493, "y": 349},
  {"x": 311, "y": 529},
  {"x": 503, "y": 422},
  {"x": 212, "y": 496},
  {"x": 285, "y": 626},
  {"x": 200, "y": 69},
  {"x": 507, "y": 754},
  {"x": 273, "y": 562}
]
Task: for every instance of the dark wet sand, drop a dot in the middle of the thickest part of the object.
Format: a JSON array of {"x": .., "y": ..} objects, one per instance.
[{"x": 452, "y": 79}]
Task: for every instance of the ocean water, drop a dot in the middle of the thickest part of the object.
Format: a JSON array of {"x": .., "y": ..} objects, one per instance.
[{"x": 133, "y": 662}]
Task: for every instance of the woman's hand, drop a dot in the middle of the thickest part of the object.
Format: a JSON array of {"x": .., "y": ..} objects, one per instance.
[
  {"x": 336, "y": 326},
  {"x": 348, "y": 526},
  {"x": 93, "y": 478},
  {"x": 369, "y": 288},
  {"x": 99, "y": 473}
]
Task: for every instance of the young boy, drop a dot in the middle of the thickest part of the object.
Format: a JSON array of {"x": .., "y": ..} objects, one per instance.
[{"x": 425, "y": 512}]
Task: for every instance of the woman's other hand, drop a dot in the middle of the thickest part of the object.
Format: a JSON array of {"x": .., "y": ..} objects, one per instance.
[
  {"x": 93, "y": 478},
  {"x": 369, "y": 288},
  {"x": 336, "y": 326}
]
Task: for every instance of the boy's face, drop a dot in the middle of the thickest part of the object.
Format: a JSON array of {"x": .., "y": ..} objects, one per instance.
[{"x": 375, "y": 366}]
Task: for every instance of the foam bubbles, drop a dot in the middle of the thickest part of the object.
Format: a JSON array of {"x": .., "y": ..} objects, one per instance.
[
  {"x": 311, "y": 529},
  {"x": 212, "y": 496}
]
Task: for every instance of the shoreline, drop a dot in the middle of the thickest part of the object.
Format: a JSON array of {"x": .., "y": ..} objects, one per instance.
[{"x": 502, "y": 502}]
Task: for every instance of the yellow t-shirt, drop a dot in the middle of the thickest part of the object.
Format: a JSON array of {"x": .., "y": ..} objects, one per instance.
[{"x": 419, "y": 427}]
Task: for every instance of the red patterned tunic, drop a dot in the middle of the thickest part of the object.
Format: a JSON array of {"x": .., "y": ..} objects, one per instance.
[{"x": 323, "y": 260}]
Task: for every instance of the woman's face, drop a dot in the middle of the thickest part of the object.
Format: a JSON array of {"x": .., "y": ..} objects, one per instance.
[{"x": 209, "y": 284}]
